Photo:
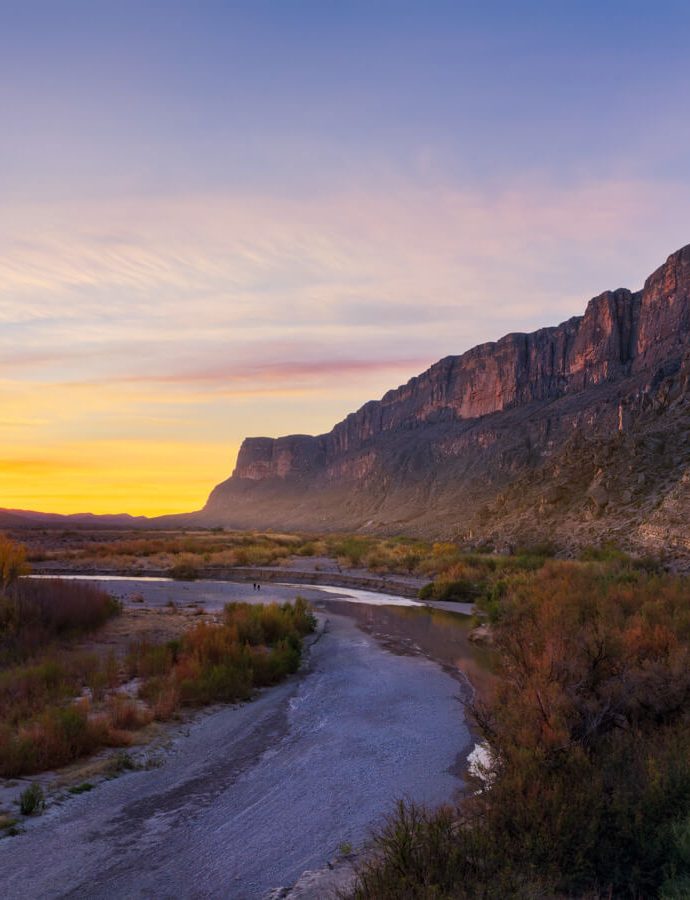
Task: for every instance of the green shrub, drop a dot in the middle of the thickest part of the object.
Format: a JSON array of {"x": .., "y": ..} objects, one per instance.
[
  {"x": 256, "y": 645},
  {"x": 81, "y": 788},
  {"x": 460, "y": 590},
  {"x": 426, "y": 592},
  {"x": 606, "y": 552},
  {"x": 32, "y": 800},
  {"x": 353, "y": 549},
  {"x": 184, "y": 572}
]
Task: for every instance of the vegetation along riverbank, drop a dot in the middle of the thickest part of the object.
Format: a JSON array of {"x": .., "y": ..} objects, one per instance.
[
  {"x": 587, "y": 725},
  {"x": 78, "y": 673}
]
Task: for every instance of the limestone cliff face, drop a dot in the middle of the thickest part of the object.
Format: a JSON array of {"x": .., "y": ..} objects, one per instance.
[
  {"x": 261, "y": 458},
  {"x": 664, "y": 322},
  {"x": 500, "y": 409}
]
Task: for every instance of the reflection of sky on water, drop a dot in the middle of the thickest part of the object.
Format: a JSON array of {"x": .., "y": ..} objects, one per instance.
[
  {"x": 354, "y": 595},
  {"x": 414, "y": 628}
]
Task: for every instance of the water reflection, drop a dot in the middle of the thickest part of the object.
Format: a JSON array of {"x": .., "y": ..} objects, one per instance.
[{"x": 421, "y": 630}]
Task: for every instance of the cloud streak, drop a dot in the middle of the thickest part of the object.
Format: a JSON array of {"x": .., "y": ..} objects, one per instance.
[{"x": 233, "y": 315}]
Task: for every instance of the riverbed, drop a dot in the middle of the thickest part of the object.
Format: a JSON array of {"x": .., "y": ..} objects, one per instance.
[{"x": 251, "y": 796}]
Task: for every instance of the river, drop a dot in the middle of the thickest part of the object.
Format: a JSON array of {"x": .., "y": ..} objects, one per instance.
[{"x": 249, "y": 797}]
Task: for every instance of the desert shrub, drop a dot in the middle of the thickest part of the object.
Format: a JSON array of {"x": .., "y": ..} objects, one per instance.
[
  {"x": 426, "y": 592},
  {"x": 423, "y": 854},
  {"x": 260, "y": 554},
  {"x": 308, "y": 548},
  {"x": 121, "y": 762},
  {"x": 459, "y": 582},
  {"x": 12, "y": 562},
  {"x": 165, "y": 701},
  {"x": 267, "y": 623},
  {"x": 459, "y": 590},
  {"x": 351, "y": 549},
  {"x": 32, "y": 800},
  {"x": 543, "y": 549},
  {"x": 271, "y": 666},
  {"x": 256, "y": 645},
  {"x": 145, "y": 659},
  {"x": 56, "y": 737},
  {"x": 126, "y": 714},
  {"x": 588, "y": 728},
  {"x": 606, "y": 552},
  {"x": 34, "y": 612},
  {"x": 184, "y": 571},
  {"x": 82, "y": 788},
  {"x": 27, "y": 689},
  {"x": 225, "y": 682}
]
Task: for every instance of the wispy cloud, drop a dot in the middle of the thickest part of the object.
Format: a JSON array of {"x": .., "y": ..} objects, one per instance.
[
  {"x": 228, "y": 315},
  {"x": 276, "y": 373}
]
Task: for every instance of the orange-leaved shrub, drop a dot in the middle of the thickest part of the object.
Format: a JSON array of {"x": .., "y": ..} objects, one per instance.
[
  {"x": 254, "y": 646},
  {"x": 588, "y": 732}
]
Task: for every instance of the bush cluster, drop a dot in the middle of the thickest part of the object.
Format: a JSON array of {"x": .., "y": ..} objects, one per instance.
[
  {"x": 35, "y": 612},
  {"x": 588, "y": 729},
  {"x": 254, "y": 646}
]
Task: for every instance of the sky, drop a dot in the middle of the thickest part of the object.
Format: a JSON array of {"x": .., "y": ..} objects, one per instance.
[{"x": 221, "y": 219}]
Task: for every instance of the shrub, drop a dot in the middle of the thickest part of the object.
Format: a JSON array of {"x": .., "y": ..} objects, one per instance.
[
  {"x": 32, "y": 800},
  {"x": 126, "y": 714},
  {"x": 34, "y": 612},
  {"x": 588, "y": 728},
  {"x": 459, "y": 590},
  {"x": 121, "y": 762},
  {"x": 254, "y": 646},
  {"x": 82, "y": 788},
  {"x": 184, "y": 572},
  {"x": 607, "y": 552},
  {"x": 12, "y": 562},
  {"x": 352, "y": 549}
]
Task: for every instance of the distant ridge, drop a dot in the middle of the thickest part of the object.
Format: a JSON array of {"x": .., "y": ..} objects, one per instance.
[{"x": 24, "y": 518}]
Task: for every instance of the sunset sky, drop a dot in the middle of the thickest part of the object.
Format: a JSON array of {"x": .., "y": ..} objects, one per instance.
[{"x": 222, "y": 219}]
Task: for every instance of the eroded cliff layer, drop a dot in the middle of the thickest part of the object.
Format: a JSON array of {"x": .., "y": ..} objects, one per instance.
[{"x": 477, "y": 445}]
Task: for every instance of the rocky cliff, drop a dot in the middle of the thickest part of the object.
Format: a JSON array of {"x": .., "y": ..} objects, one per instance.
[{"x": 535, "y": 433}]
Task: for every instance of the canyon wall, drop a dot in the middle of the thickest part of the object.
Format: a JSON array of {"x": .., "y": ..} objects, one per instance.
[{"x": 473, "y": 424}]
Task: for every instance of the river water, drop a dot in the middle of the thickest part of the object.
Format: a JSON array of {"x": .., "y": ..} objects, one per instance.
[{"x": 249, "y": 797}]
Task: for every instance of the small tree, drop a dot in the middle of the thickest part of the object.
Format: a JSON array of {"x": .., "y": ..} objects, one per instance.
[{"x": 12, "y": 561}]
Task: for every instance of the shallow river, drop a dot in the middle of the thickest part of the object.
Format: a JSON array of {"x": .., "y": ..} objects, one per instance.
[{"x": 251, "y": 796}]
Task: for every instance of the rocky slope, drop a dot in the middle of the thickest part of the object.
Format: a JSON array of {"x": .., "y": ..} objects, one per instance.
[{"x": 577, "y": 432}]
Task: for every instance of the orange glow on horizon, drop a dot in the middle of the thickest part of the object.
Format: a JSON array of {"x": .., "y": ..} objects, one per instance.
[{"x": 148, "y": 478}]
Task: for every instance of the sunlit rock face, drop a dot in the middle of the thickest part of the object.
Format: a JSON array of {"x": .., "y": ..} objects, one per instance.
[{"x": 465, "y": 448}]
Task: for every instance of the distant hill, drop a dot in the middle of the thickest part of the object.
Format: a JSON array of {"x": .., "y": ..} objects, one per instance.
[
  {"x": 23, "y": 518},
  {"x": 574, "y": 433}
]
